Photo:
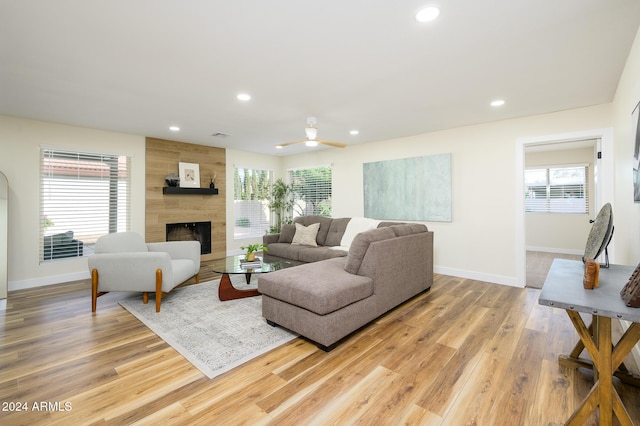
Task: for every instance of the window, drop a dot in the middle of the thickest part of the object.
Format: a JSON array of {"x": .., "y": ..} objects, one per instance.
[
  {"x": 251, "y": 213},
  {"x": 557, "y": 190},
  {"x": 311, "y": 191},
  {"x": 83, "y": 196}
]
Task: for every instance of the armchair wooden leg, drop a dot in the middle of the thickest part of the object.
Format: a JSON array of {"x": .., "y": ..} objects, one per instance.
[
  {"x": 145, "y": 297},
  {"x": 94, "y": 289},
  {"x": 197, "y": 278},
  {"x": 158, "y": 289}
]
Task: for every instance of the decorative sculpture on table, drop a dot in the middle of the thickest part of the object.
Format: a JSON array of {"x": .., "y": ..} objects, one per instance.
[
  {"x": 591, "y": 274},
  {"x": 630, "y": 293},
  {"x": 600, "y": 236},
  {"x": 598, "y": 240}
]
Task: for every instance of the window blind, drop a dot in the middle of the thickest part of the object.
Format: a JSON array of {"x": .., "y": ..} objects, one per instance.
[
  {"x": 83, "y": 196},
  {"x": 557, "y": 190},
  {"x": 311, "y": 191},
  {"x": 252, "y": 216}
]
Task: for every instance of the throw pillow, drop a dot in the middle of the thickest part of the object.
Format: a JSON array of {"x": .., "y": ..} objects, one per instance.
[
  {"x": 286, "y": 233},
  {"x": 306, "y": 235}
]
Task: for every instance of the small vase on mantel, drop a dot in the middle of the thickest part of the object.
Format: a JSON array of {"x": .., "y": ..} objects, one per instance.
[{"x": 172, "y": 179}]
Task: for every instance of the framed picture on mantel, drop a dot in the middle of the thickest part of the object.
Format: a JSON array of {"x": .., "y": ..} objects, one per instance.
[{"x": 189, "y": 175}]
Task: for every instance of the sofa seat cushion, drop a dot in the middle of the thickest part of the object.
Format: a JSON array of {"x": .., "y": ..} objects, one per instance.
[
  {"x": 285, "y": 250},
  {"x": 316, "y": 254},
  {"x": 320, "y": 287}
]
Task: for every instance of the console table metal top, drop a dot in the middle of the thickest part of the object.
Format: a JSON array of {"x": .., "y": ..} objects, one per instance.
[{"x": 563, "y": 289}]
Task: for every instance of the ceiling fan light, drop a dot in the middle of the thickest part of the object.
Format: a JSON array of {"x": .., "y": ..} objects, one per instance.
[
  {"x": 311, "y": 132},
  {"x": 311, "y": 143}
]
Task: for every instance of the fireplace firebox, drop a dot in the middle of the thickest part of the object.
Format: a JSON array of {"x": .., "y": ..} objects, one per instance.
[{"x": 191, "y": 231}]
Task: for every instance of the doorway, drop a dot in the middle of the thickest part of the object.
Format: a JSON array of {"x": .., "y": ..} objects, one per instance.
[{"x": 600, "y": 141}]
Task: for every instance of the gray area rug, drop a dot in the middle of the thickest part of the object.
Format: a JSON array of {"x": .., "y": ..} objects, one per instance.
[{"x": 214, "y": 336}]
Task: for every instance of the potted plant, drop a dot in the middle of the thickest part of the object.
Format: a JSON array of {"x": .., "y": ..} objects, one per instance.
[
  {"x": 281, "y": 204},
  {"x": 251, "y": 249}
]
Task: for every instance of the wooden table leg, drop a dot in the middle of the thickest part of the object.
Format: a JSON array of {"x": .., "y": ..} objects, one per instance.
[
  {"x": 226, "y": 291},
  {"x": 606, "y": 360}
]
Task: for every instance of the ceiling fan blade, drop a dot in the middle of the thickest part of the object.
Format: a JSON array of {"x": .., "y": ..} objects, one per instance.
[
  {"x": 330, "y": 143},
  {"x": 291, "y": 143}
]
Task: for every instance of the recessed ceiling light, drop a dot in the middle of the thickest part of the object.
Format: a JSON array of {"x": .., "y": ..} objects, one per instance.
[
  {"x": 354, "y": 132},
  {"x": 174, "y": 128},
  {"x": 497, "y": 103},
  {"x": 244, "y": 97},
  {"x": 427, "y": 14}
]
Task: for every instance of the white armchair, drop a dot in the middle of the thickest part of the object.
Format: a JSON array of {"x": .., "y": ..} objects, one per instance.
[{"x": 124, "y": 262}]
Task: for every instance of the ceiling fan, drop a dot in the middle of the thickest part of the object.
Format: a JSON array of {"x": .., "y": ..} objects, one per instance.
[{"x": 311, "y": 132}]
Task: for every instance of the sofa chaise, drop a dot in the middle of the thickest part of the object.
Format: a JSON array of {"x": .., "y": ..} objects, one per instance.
[{"x": 327, "y": 300}]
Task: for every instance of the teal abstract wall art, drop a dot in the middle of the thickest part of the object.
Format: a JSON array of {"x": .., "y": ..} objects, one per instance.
[{"x": 417, "y": 188}]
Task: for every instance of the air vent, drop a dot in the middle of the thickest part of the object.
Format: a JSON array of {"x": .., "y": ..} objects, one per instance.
[{"x": 219, "y": 135}]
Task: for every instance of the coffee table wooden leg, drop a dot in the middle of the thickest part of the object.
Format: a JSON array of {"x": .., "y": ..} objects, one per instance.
[{"x": 226, "y": 291}]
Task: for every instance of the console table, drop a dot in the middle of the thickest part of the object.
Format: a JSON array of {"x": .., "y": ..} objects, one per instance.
[{"x": 563, "y": 289}]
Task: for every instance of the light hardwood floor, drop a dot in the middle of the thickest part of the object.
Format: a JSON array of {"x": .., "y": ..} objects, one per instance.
[{"x": 465, "y": 353}]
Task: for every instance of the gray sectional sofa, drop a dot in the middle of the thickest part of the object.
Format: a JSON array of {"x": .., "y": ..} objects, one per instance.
[
  {"x": 328, "y": 299},
  {"x": 328, "y": 239}
]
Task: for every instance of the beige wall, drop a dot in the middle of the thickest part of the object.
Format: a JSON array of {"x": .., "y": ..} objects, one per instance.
[
  {"x": 20, "y": 142},
  {"x": 561, "y": 233}
]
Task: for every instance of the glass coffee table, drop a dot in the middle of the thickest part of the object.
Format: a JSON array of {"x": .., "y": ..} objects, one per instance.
[{"x": 231, "y": 266}]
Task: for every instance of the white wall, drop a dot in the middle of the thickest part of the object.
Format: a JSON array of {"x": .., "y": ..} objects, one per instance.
[
  {"x": 20, "y": 142},
  {"x": 561, "y": 233}
]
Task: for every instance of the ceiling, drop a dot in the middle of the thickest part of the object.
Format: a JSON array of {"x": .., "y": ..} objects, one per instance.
[{"x": 141, "y": 66}]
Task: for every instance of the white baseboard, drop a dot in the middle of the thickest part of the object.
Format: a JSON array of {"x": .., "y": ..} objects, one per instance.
[
  {"x": 3, "y": 305},
  {"x": 43, "y": 281},
  {"x": 479, "y": 276},
  {"x": 555, "y": 250}
]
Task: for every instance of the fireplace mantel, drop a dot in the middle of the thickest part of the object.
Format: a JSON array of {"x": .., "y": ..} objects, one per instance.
[{"x": 191, "y": 191}]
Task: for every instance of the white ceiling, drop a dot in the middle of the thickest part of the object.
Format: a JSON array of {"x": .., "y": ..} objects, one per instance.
[{"x": 139, "y": 66}]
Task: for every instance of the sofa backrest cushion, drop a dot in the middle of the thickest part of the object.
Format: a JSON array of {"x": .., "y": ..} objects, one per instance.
[
  {"x": 121, "y": 242},
  {"x": 336, "y": 231},
  {"x": 287, "y": 232},
  {"x": 360, "y": 245},
  {"x": 408, "y": 229},
  {"x": 325, "y": 223}
]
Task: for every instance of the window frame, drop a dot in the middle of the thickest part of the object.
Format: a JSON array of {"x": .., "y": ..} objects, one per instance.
[
  {"x": 254, "y": 212},
  {"x": 544, "y": 192},
  {"x": 321, "y": 207},
  {"x": 80, "y": 189}
]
